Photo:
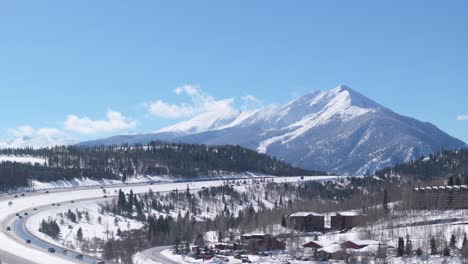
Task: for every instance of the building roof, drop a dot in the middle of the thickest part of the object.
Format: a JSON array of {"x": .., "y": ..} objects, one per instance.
[
  {"x": 304, "y": 214},
  {"x": 445, "y": 187},
  {"x": 319, "y": 244},
  {"x": 349, "y": 213},
  {"x": 331, "y": 249},
  {"x": 362, "y": 243}
]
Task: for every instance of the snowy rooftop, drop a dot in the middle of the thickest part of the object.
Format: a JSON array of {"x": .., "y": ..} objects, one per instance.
[
  {"x": 330, "y": 249},
  {"x": 447, "y": 187},
  {"x": 304, "y": 214},
  {"x": 349, "y": 213}
]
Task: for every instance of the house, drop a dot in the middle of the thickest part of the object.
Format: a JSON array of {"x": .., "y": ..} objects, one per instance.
[
  {"x": 262, "y": 242},
  {"x": 345, "y": 220},
  {"x": 307, "y": 221},
  {"x": 314, "y": 246}
]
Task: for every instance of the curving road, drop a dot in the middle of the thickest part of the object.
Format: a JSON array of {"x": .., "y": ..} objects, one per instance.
[{"x": 155, "y": 254}]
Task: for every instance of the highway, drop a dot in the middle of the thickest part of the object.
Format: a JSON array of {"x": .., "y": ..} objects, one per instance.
[{"x": 155, "y": 254}]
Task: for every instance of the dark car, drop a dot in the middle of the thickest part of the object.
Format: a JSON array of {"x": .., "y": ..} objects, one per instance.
[
  {"x": 79, "y": 256},
  {"x": 99, "y": 262},
  {"x": 17, "y": 214},
  {"x": 72, "y": 201},
  {"x": 46, "y": 191},
  {"x": 16, "y": 196},
  {"x": 22, "y": 194},
  {"x": 28, "y": 241},
  {"x": 35, "y": 209},
  {"x": 8, "y": 228},
  {"x": 51, "y": 250},
  {"x": 105, "y": 196},
  {"x": 53, "y": 204},
  {"x": 26, "y": 213},
  {"x": 20, "y": 217}
]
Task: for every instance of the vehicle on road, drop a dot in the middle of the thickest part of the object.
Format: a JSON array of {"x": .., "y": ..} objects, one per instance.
[
  {"x": 28, "y": 241},
  {"x": 8, "y": 228},
  {"x": 99, "y": 262},
  {"x": 25, "y": 213},
  {"x": 79, "y": 257},
  {"x": 51, "y": 250}
]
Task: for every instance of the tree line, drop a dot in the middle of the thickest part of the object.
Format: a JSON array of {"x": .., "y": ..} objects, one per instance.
[{"x": 120, "y": 162}]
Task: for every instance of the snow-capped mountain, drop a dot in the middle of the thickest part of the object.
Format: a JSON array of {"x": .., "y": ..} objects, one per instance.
[{"x": 338, "y": 131}]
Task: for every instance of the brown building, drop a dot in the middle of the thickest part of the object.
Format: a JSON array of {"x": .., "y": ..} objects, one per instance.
[
  {"x": 307, "y": 221},
  {"x": 261, "y": 242},
  {"x": 439, "y": 197},
  {"x": 345, "y": 220}
]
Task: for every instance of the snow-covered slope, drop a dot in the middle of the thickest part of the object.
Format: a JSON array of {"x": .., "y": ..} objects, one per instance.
[{"x": 338, "y": 131}]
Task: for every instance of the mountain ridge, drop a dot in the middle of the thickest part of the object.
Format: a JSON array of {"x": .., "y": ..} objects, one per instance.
[{"x": 339, "y": 131}]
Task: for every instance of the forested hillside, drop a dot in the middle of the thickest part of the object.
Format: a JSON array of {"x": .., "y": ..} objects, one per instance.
[
  {"x": 121, "y": 162},
  {"x": 442, "y": 165}
]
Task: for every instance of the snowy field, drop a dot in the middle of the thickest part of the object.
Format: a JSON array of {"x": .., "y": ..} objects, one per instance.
[
  {"x": 95, "y": 225},
  {"x": 23, "y": 159}
]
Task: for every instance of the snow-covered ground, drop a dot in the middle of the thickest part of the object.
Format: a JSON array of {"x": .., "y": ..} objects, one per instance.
[
  {"x": 95, "y": 225},
  {"x": 36, "y": 200},
  {"x": 23, "y": 159}
]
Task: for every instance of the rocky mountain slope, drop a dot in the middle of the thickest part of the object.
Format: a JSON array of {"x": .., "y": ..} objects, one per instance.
[{"x": 339, "y": 131}]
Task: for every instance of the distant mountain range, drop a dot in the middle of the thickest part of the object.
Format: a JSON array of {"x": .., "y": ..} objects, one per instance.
[{"x": 339, "y": 131}]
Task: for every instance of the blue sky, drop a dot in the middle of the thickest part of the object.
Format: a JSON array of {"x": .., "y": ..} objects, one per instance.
[{"x": 92, "y": 68}]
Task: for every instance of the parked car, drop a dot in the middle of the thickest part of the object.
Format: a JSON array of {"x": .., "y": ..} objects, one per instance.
[
  {"x": 28, "y": 241},
  {"x": 51, "y": 250},
  {"x": 25, "y": 213},
  {"x": 79, "y": 256},
  {"x": 99, "y": 262},
  {"x": 8, "y": 228}
]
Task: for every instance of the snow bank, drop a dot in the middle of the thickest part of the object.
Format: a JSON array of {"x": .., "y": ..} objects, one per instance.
[{"x": 23, "y": 159}]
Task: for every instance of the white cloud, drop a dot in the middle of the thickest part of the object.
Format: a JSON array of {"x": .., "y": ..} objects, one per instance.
[
  {"x": 462, "y": 118},
  {"x": 84, "y": 125},
  {"x": 200, "y": 104},
  {"x": 27, "y": 136}
]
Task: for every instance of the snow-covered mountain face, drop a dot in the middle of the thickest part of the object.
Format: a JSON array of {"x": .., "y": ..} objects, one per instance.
[{"x": 338, "y": 131}]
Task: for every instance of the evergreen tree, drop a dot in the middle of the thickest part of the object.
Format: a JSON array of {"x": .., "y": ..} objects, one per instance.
[
  {"x": 385, "y": 202},
  {"x": 450, "y": 181},
  {"x": 419, "y": 252},
  {"x": 79, "y": 234},
  {"x": 433, "y": 246},
  {"x": 409, "y": 246},
  {"x": 453, "y": 241},
  {"x": 283, "y": 222},
  {"x": 401, "y": 247},
  {"x": 446, "y": 250}
]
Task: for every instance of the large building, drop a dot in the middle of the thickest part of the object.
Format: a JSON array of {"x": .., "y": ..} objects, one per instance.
[
  {"x": 346, "y": 220},
  {"x": 307, "y": 221},
  {"x": 439, "y": 197}
]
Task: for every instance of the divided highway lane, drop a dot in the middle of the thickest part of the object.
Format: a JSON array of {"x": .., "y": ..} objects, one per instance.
[
  {"x": 14, "y": 250},
  {"x": 18, "y": 228}
]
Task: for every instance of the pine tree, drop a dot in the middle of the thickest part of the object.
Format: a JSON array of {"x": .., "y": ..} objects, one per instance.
[
  {"x": 433, "y": 246},
  {"x": 446, "y": 250},
  {"x": 464, "y": 240},
  {"x": 453, "y": 241},
  {"x": 409, "y": 246},
  {"x": 401, "y": 247},
  {"x": 419, "y": 252},
  {"x": 385, "y": 202},
  {"x": 283, "y": 221},
  {"x": 79, "y": 234},
  {"x": 450, "y": 181}
]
